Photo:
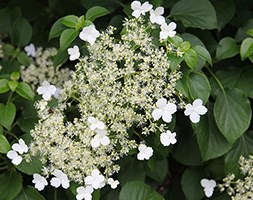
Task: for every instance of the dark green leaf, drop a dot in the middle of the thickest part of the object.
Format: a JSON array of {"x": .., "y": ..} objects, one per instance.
[
  {"x": 191, "y": 58},
  {"x": 174, "y": 61},
  {"x": 7, "y": 17},
  {"x": 227, "y": 48},
  {"x": 24, "y": 90},
  {"x": 29, "y": 193},
  {"x": 246, "y": 48},
  {"x": 34, "y": 166},
  {"x": 137, "y": 190},
  {"x": 8, "y": 50},
  {"x": 242, "y": 147},
  {"x": 70, "y": 21},
  {"x": 4, "y": 86},
  {"x": 23, "y": 59},
  {"x": 241, "y": 33},
  {"x": 7, "y": 116},
  {"x": 232, "y": 113},
  {"x": 22, "y": 32},
  {"x": 10, "y": 185},
  {"x": 194, "y": 40},
  {"x": 159, "y": 170},
  {"x": 67, "y": 37},
  {"x": 191, "y": 184},
  {"x": 212, "y": 143},
  {"x": 13, "y": 85},
  {"x": 56, "y": 29},
  {"x": 96, "y": 12},
  {"x": 203, "y": 53},
  {"x": 4, "y": 144},
  {"x": 195, "y": 13},
  {"x": 60, "y": 58},
  {"x": 111, "y": 5}
]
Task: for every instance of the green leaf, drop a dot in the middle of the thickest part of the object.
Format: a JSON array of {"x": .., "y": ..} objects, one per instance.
[
  {"x": 7, "y": 116},
  {"x": 67, "y": 37},
  {"x": 96, "y": 12},
  {"x": 1, "y": 130},
  {"x": 232, "y": 113},
  {"x": 159, "y": 171},
  {"x": 174, "y": 61},
  {"x": 227, "y": 48},
  {"x": 250, "y": 32},
  {"x": 212, "y": 143},
  {"x": 60, "y": 58},
  {"x": 70, "y": 21},
  {"x": 4, "y": 87},
  {"x": 8, "y": 50},
  {"x": 24, "y": 90},
  {"x": 246, "y": 48},
  {"x": 111, "y": 5},
  {"x": 22, "y": 32},
  {"x": 4, "y": 144},
  {"x": 13, "y": 85},
  {"x": 191, "y": 58},
  {"x": 7, "y": 16},
  {"x": 195, "y": 13},
  {"x": 56, "y": 29},
  {"x": 184, "y": 46},
  {"x": 15, "y": 76},
  {"x": 203, "y": 53},
  {"x": 34, "y": 166},
  {"x": 194, "y": 40},
  {"x": 29, "y": 193},
  {"x": 191, "y": 184},
  {"x": 10, "y": 185},
  {"x": 199, "y": 86},
  {"x": 80, "y": 23},
  {"x": 23, "y": 58},
  {"x": 242, "y": 147},
  {"x": 137, "y": 190}
]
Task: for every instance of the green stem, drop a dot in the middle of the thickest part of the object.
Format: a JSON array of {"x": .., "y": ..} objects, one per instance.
[
  {"x": 12, "y": 134},
  {"x": 139, "y": 135},
  {"x": 9, "y": 98},
  {"x": 55, "y": 194}
]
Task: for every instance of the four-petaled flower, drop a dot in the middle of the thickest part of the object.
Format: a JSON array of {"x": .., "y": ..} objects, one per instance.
[
  {"x": 84, "y": 193},
  {"x": 100, "y": 138},
  {"x": 39, "y": 181},
  {"x": 74, "y": 53},
  {"x": 140, "y": 9},
  {"x": 208, "y": 186},
  {"x": 164, "y": 110},
  {"x": 168, "y": 138},
  {"x": 59, "y": 179},
  {"x": 16, "y": 159},
  {"x": 113, "y": 183},
  {"x": 95, "y": 123},
  {"x": 20, "y": 147},
  {"x": 89, "y": 34},
  {"x": 46, "y": 90},
  {"x": 30, "y": 50},
  {"x": 195, "y": 110},
  {"x": 96, "y": 180},
  {"x": 145, "y": 152},
  {"x": 168, "y": 30},
  {"x": 156, "y": 16}
]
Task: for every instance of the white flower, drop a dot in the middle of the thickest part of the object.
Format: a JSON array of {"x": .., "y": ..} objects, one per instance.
[
  {"x": 140, "y": 9},
  {"x": 95, "y": 123},
  {"x": 84, "y": 193},
  {"x": 113, "y": 183},
  {"x": 144, "y": 152},
  {"x": 20, "y": 147},
  {"x": 168, "y": 30},
  {"x": 168, "y": 138},
  {"x": 16, "y": 159},
  {"x": 30, "y": 50},
  {"x": 59, "y": 179},
  {"x": 89, "y": 34},
  {"x": 164, "y": 110},
  {"x": 39, "y": 181},
  {"x": 156, "y": 16},
  {"x": 100, "y": 138},
  {"x": 96, "y": 180},
  {"x": 46, "y": 90},
  {"x": 195, "y": 110},
  {"x": 74, "y": 53},
  {"x": 208, "y": 186},
  {"x": 57, "y": 93}
]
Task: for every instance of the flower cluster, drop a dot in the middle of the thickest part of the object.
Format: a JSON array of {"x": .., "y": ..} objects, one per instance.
[
  {"x": 17, "y": 150},
  {"x": 123, "y": 91}
]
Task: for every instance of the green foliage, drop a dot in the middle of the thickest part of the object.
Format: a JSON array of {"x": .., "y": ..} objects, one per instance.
[
  {"x": 29, "y": 193},
  {"x": 96, "y": 12},
  {"x": 8, "y": 113},
  {"x": 4, "y": 144},
  {"x": 227, "y": 48}
]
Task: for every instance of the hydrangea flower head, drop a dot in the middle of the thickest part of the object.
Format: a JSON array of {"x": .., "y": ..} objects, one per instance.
[
  {"x": 194, "y": 110},
  {"x": 156, "y": 16},
  {"x": 74, "y": 53},
  {"x": 96, "y": 179},
  {"x": 145, "y": 152},
  {"x": 113, "y": 183},
  {"x": 164, "y": 110},
  {"x": 30, "y": 50},
  {"x": 168, "y": 30},
  {"x": 39, "y": 181},
  {"x": 89, "y": 34},
  {"x": 84, "y": 193},
  {"x": 16, "y": 159},
  {"x": 140, "y": 9},
  {"x": 46, "y": 90},
  {"x": 100, "y": 138},
  {"x": 59, "y": 179},
  {"x": 168, "y": 138},
  {"x": 208, "y": 186}
]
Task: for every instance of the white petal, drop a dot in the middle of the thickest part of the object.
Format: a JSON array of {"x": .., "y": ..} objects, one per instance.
[
  {"x": 197, "y": 102},
  {"x": 166, "y": 116},
  {"x": 159, "y": 10},
  {"x": 140, "y": 156},
  {"x": 41, "y": 90},
  {"x": 204, "y": 182},
  {"x": 171, "y": 108},
  {"x": 188, "y": 109},
  {"x": 46, "y": 96},
  {"x": 194, "y": 117},
  {"x": 201, "y": 110},
  {"x": 172, "y": 26},
  {"x": 208, "y": 192},
  {"x": 163, "y": 35},
  {"x": 88, "y": 180},
  {"x": 55, "y": 182},
  {"x": 65, "y": 184},
  {"x": 105, "y": 141},
  {"x": 12, "y": 154},
  {"x": 160, "y": 20},
  {"x": 172, "y": 33},
  {"x": 100, "y": 125},
  {"x": 95, "y": 142},
  {"x": 135, "y": 5},
  {"x": 156, "y": 114},
  {"x": 136, "y": 13},
  {"x": 91, "y": 120},
  {"x": 146, "y": 7},
  {"x": 17, "y": 160},
  {"x": 161, "y": 103}
]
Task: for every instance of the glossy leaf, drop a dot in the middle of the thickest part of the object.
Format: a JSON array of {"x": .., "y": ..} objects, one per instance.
[
  {"x": 13, "y": 85},
  {"x": 191, "y": 58},
  {"x": 4, "y": 144},
  {"x": 96, "y": 12},
  {"x": 4, "y": 87},
  {"x": 7, "y": 116},
  {"x": 246, "y": 48},
  {"x": 34, "y": 166},
  {"x": 70, "y": 21},
  {"x": 67, "y": 37},
  {"x": 227, "y": 48},
  {"x": 203, "y": 53},
  {"x": 195, "y": 13},
  {"x": 24, "y": 90},
  {"x": 29, "y": 193},
  {"x": 56, "y": 29},
  {"x": 232, "y": 113},
  {"x": 23, "y": 59},
  {"x": 60, "y": 58}
]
